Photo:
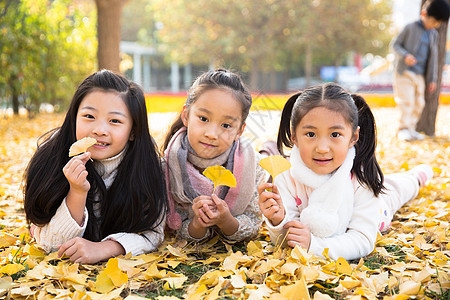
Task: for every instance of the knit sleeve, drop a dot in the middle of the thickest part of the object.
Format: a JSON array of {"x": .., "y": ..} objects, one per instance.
[
  {"x": 137, "y": 244},
  {"x": 359, "y": 239},
  {"x": 61, "y": 228},
  {"x": 249, "y": 222}
]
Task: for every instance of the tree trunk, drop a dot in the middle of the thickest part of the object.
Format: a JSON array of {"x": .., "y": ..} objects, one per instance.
[
  {"x": 254, "y": 75},
  {"x": 12, "y": 82},
  {"x": 427, "y": 121},
  {"x": 108, "y": 32},
  {"x": 308, "y": 64},
  {"x": 15, "y": 102}
]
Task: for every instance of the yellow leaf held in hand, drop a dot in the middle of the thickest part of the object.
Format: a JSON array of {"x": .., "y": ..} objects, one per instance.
[
  {"x": 220, "y": 176},
  {"x": 81, "y": 146},
  {"x": 275, "y": 165}
]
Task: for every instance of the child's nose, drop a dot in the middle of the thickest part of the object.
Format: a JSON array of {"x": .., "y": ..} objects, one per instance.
[
  {"x": 322, "y": 146},
  {"x": 212, "y": 132},
  {"x": 100, "y": 130}
]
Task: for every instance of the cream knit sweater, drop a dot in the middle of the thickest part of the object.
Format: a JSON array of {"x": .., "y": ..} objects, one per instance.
[{"x": 62, "y": 227}]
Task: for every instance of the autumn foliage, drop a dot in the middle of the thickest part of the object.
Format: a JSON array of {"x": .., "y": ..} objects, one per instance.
[{"x": 411, "y": 260}]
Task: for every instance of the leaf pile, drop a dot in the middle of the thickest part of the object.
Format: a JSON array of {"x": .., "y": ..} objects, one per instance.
[{"x": 410, "y": 261}]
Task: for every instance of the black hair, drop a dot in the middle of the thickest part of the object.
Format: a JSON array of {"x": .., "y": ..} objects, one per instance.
[
  {"x": 218, "y": 79},
  {"x": 438, "y": 9},
  {"x": 136, "y": 200},
  {"x": 357, "y": 113}
]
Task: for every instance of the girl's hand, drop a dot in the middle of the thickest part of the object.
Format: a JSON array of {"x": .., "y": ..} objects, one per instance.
[
  {"x": 76, "y": 174},
  {"x": 298, "y": 234},
  {"x": 222, "y": 217},
  {"x": 215, "y": 211},
  {"x": 270, "y": 203},
  {"x": 199, "y": 206},
  {"x": 81, "y": 250}
]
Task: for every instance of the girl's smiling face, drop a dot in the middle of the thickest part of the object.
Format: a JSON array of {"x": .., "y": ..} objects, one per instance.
[
  {"x": 323, "y": 138},
  {"x": 214, "y": 122},
  {"x": 105, "y": 117}
]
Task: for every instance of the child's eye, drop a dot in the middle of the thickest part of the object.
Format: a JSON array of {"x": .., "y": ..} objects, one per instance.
[
  {"x": 335, "y": 134},
  {"x": 115, "y": 121},
  {"x": 310, "y": 134},
  {"x": 203, "y": 119},
  {"x": 226, "y": 126},
  {"x": 88, "y": 116}
]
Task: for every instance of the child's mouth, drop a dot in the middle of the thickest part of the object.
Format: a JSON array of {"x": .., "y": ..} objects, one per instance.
[{"x": 322, "y": 161}]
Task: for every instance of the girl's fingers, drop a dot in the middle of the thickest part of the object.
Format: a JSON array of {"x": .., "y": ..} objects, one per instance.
[
  {"x": 295, "y": 224},
  {"x": 264, "y": 186},
  {"x": 85, "y": 157},
  {"x": 63, "y": 249},
  {"x": 203, "y": 216},
  {"x": 208, "y": 212}
]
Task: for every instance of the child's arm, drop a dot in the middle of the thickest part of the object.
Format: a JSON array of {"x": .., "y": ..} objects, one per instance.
[
  {"x": 397, "y": 42},
  {"x": 61, "y": 228},
  {"x": 270, "y": 203},
  {"x": 198, "y": 226},
  {"x": 83, "y": 251},
  {"x": 286, "y": 190},
  {"x": 70, "y": 218},
  {"x": 76, "y": 174}
]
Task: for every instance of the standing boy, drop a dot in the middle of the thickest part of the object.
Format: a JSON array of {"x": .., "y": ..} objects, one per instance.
[{"x": 416, "y": 49}]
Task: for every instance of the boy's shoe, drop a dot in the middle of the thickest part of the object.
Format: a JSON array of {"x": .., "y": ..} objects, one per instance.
[
  {"x": 417, "y": 136},
  {"x": 423, "y": 173},
  {"x": 405, "y": 135}
]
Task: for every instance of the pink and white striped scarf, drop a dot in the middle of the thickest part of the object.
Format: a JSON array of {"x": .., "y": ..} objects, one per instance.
[{"x": 184, "y": 182}]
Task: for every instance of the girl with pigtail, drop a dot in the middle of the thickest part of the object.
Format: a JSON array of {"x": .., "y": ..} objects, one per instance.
[
  {"x": 208, "y": 133},
  {"x": 335, "y": 195}
]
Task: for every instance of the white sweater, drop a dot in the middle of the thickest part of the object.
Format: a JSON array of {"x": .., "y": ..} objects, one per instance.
[
  {"x": 358, "y": 237},
  {"x": 62, "y": 227}
]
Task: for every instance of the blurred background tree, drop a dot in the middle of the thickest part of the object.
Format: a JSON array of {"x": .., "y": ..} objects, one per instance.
[
  {"x": 270, "y": 35},
  {"x": 46, "y": 49},
  {"x": 109, "y": 14}
]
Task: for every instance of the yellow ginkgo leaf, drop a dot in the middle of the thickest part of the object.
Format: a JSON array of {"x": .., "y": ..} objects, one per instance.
[
  {"x": 298, "y": 290},
  {"x": 220, "y": 176},
  {"x": 117, "y": 276},
  {"x": 103, "y": 283},
  {"x": 81, "y": 146},
  {"x": 275, "y": 164},
  {"x": 11, "y": 269},
  {"x": 343, "y": 267}
]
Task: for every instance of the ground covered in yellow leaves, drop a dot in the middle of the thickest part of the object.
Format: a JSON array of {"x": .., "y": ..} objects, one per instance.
[{"x": 411, "y": 261}]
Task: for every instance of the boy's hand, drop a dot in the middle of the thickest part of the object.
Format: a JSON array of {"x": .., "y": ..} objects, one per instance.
[
  {"x": 76, "y": 174},
  {"x": 410, "y": 60},
  {"x": 431, "y": 87},
  {"x": 298, "y": 234},
  {"x": 270, "y": 203}
]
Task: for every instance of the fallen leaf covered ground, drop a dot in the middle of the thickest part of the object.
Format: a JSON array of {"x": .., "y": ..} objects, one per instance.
[{"x": 410, "y": 261}]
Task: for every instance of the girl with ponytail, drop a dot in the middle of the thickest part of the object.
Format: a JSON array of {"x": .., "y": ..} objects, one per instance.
[{"x": 335, "y": 195}]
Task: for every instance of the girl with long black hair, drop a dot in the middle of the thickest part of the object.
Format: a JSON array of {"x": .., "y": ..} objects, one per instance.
[{"x": 110, "y": 200}]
